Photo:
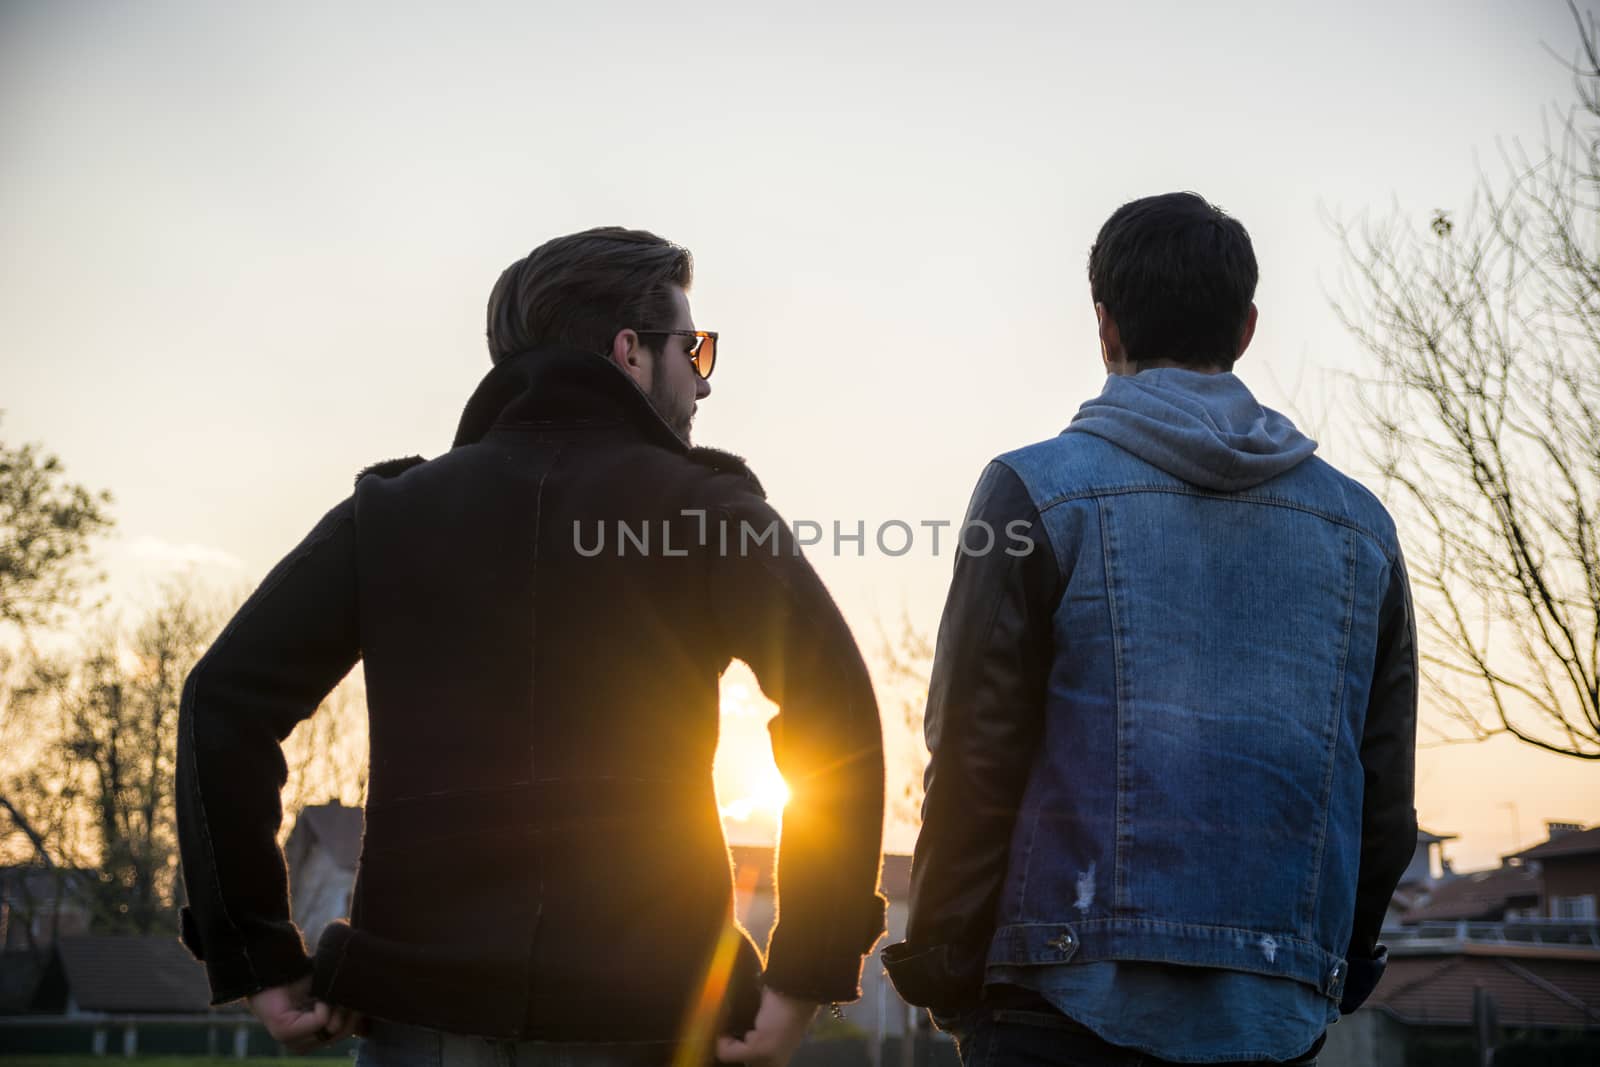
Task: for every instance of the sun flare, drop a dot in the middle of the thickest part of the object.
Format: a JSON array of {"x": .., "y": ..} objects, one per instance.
[{"x": 747, "y": 779}]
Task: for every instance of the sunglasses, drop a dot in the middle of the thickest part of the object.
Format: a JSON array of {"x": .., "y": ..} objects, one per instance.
[{"x": 702, "y": 352}]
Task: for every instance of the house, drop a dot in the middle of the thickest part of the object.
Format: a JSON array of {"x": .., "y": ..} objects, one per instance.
[
  {"x": 1533, "y": 1001},
  {"x": 124, "y": 975},
  {"x": 39, "y": 903},
  {"x": 1419, "y": 881},
  {"x": 1513, "y": 951},
  {"x": 1530, "y": 992},
  {"x": 1507, "y": 892},
  {"x": 128, "y": 994},
  {"x": 1429, "y": 847},
  {"x": 323, "y": 851},
  {"x": 1570, "y": 864}
]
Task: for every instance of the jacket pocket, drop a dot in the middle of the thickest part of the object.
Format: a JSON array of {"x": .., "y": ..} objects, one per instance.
[{"x": 935, "y": 977}]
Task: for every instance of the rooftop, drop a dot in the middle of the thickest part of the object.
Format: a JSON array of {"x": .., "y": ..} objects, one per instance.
[
  {"x": 131, "y": 974},
  {"x": 1479, "y": 895},
  {"x": 1575, "y": 843},
  {"x": 334, "y": 827},
  {"x": 1534, "y": 993}
]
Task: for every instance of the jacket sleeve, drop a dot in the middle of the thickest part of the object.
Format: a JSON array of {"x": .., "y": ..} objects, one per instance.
[
  {"x": 1388, "y": 764},
  {"x": 774, "y": 614},
  {"x": 290, "y": 643},
  {"x": 983, "y": 723}
]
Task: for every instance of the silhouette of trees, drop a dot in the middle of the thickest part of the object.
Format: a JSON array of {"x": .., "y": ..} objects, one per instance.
[{"x": 1484, "y": 416}]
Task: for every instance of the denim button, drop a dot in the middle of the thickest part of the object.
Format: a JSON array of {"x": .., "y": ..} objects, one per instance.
[{"x": 1062, "y": 943}]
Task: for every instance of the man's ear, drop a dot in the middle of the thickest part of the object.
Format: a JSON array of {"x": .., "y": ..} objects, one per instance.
[
  {"x": 1111, "y": 353},
  {"x": 627, "y": 352},
  {"x": 1249, "y": 331}
]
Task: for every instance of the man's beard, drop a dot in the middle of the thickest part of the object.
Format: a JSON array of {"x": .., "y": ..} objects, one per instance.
[{"x": 677, "y": 422}]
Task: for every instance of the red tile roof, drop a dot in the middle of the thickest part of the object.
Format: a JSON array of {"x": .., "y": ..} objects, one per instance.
[
  {"x": 1479, "y": 895},
  {"x": 1536, "y": 993}
]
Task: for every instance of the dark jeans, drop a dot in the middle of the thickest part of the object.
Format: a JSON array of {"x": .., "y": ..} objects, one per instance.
[{"x": 1019, "y": 1028}]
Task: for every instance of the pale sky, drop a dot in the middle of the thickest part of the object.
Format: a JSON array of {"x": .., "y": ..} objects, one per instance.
[{"x": 245, "y": 248}]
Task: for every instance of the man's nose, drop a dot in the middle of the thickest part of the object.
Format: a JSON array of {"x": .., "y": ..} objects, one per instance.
[{"x": 702, "y": 388}]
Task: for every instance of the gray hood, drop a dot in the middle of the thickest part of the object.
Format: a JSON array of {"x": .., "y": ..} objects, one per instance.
[{"x": 1204, "y": 428}]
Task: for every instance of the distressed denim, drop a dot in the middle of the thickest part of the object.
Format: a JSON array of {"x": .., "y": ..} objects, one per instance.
[
  {"x": 1157, "y": 750},
  {"x": 396, "y": 1045},
  {"x": 1171, "y": 774}
]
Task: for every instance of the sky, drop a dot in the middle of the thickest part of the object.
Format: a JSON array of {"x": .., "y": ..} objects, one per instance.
[{"x": 245, "y": 249}]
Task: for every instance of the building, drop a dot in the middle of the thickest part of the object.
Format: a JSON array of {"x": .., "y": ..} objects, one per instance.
[
  {"x": 38, "y": 904},
  {"x": 1507, "y": 892},
  {"x": 323, "y": 851},
  {"x": 127, "y": 995},
  {"x": 1419, "y": 881},
  {"x": 1512, "y": 952},
  {"x": 1569, "y": 863}
]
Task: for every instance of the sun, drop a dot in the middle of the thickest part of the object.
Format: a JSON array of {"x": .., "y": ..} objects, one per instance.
[
  {"x": 769, "y": 791},
  {"x": 746, "y": 775}
]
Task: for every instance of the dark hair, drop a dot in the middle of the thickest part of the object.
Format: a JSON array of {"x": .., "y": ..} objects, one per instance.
[
  {"x": 1178, "y": 276},
  {"x": 578, "y": 291}
]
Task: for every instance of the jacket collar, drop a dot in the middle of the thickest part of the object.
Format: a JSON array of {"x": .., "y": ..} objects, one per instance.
[{"x": 559, "y": 386}]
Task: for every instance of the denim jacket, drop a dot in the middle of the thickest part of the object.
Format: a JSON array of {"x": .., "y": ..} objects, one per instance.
[{"x": 1181, "y": 728}]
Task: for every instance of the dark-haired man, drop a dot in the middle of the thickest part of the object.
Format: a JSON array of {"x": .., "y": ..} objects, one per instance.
[
  {"x": 544, "y": 878},
  {"x": 1172, "y": 746}
]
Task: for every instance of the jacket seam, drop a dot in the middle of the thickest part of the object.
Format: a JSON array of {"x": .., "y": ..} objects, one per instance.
[
  {"x": 1163, "y": 927},
  {"x": 1027, "y": 860},
  {"x": 1335, "y": 717},
  {"x": 1120, "y": 847},
  {"x": 533, "y": 671},
  {"x": 1168, "y": 924},
  {"x": 533, "y": 601},
  {"x": 1251, "y": 498}
]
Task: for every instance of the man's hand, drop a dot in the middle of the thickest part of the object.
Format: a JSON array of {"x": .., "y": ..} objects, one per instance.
[
  {"x": 298, "y": 1021},
  {"x": 780, "y": 1027}
]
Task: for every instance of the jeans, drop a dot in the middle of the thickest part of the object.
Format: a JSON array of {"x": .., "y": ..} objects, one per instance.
[
  {"x": 1026, "y": 1031},
  {"x": 396, "y": 1045}
]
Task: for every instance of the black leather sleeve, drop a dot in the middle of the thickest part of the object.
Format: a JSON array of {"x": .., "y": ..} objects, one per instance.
[
  {"x": 983, "y": 723},
  {"x": 286, "y": 648},
  {"x": 1388, "y": 763}
]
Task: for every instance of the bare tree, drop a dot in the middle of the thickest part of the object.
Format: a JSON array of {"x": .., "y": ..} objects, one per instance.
[
  {"x": 101, "y": 784},
  {"x": 326, "y": 755},
  {"x": 89, "y": 786},
  {"x": 1484, "y": 418},
  {"x": 907, "y": 660}
]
